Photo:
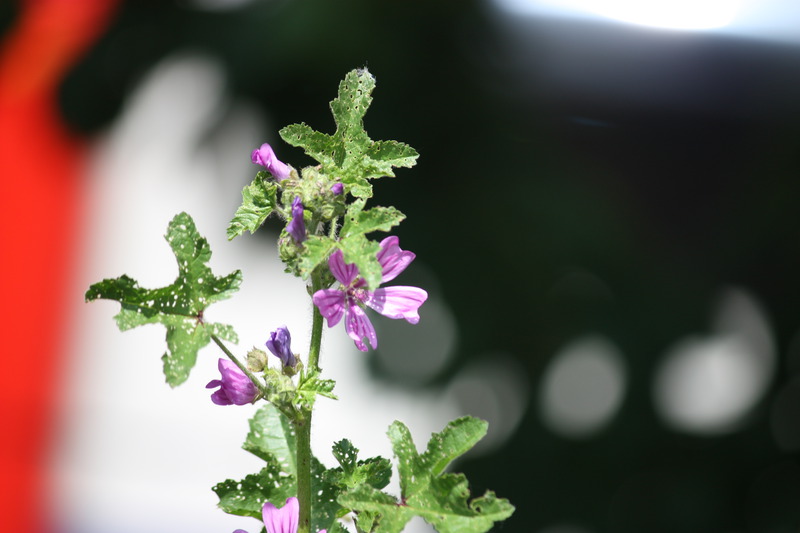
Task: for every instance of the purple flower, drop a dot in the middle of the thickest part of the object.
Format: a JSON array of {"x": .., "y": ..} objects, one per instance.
[
  {"x": 283, "y": 520},
  {"x": 235, "y": 387},
  {"x": 265, "y": 157},
  {"x": 297, "y": 227},
  {"x": 337, "y": 189},
  {"x": 280, "y": 344},
  {"x": 347, "y": 301}
]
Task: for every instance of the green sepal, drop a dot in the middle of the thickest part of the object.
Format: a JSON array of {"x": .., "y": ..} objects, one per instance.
[
  {"x": 349, "y": 154},
  {"x": 441, "y": 499},
  {"x": 258, "y": 202},
  {"x": 180, "y": 306}
]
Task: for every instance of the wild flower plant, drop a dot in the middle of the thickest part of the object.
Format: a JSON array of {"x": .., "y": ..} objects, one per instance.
[{"x": 326, "y": 242}]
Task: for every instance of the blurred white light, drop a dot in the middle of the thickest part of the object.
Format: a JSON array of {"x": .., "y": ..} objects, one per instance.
[
  {"x": 762, "y": 19},
  {"x": 496, "y": 390},
  {"x": 708, "y": 385},
  {"x": 582, "y": 387},
  {"x": 417, "y": 353},
  {"x": 670, "y": 14}
]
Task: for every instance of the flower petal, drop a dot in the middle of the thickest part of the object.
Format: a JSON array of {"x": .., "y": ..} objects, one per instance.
[
  {"x": 265, "y": 156},
  {"x": 393, "y": 260},
  {"x": 330, "y": 303},
  {"x": 398, "y": 302},
  {"x": 357, "y": 325},
  {"x": 297, "y": 227},
  {"x": 344, "y": 273},
  {"x": 283, "y": 520},
  {"x": 235, "y": 387}
]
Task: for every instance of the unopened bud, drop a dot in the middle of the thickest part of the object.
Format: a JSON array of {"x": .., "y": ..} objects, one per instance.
[{"x": 256, "y": 360}]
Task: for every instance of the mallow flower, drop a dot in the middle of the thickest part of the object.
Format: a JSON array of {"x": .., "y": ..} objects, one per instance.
[
  {"x": 283, "y": 520},
  {"x": 234, "y": 387},
  {"x": 280, "y": 344},
  {"x": 265, "y": 157},
  {"x": 349, "y": 299},
  {"x": 337, "y": 188},
  {"x": 297, "y": 227}
]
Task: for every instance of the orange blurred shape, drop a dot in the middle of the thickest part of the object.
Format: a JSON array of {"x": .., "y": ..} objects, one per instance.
[{"x": 40, "y": 193}]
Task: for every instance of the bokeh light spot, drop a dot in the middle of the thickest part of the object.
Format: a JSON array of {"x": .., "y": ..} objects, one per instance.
[
  {"x": 707, "y": 385},
  {"x": 583, "y": 387}
]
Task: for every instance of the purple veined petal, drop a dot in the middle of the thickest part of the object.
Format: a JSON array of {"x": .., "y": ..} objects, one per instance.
[
  {"x": 337, "y": 188},
  {"x": 234, "y": 387},
  {"x": 357, "y": 325},
  {"x": 398, "y": 302},
  {"x": 283, "y": 520},
  {"x": 393, "y": 260},
  {"x": 297, "y": 227},
  {"x": 265, "y": 156},
  {"x": 330, "y": 303},
  {"x": 344, "y": 273}
]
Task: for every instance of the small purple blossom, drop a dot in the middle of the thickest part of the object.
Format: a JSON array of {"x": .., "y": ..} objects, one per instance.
[
  {"x": 348, "y": 300},
  {"x": 234, "y": 387},
  {"x": 265, "y": 157},
  {"x": 283, "y": 520},
  {"x": 337, "y": 189},
  {"x": 297, "y": 227},
  {"x": 280, "y": 344}
]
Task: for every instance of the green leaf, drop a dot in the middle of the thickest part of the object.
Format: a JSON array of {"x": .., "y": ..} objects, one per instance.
[
  {"x": 309, "y": 387},
  {"x": 441, "y": 499},
  {"x": 317, "y": 250},
  {"x": 361, "y": 251},
  {"x": 375, "y": 471},
  {"x": 349, "y": 153},
  {"x": 272, "y": 438},
  {"x": 358, "y": 221},
  {"x": 179, "y": 306},
  {"x": 246, "y": 497},
  {"x": 258, "y": 201}
]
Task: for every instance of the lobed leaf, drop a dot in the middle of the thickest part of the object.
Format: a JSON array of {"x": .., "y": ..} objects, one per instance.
[
  {"x": 272, "y": 438},
  {"x": 357, "y": 221},
  {"x": 349, "y": 154},
  {"x": 441, "y": 499},
  {"x": 180, "y": 306},
  {"x": 258, "y": 202}
]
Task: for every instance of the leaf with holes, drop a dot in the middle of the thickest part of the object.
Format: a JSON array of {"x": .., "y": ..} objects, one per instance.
[
  {"x": 258, "y": 202},
  {"x": 349, "y": 154},
  {"x": 441, "y": 499},
  {"x": 272, "y": 439},
  {"x": 179, "y": 306}
]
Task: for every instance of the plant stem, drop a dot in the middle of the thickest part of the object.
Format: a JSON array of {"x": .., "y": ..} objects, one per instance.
[
  {"x": 262, "y": 388},
  {"x": 302, "y": 424}
]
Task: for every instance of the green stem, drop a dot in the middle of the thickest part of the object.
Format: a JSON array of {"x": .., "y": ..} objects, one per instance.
[
  {"x": 302, "y": 424},
  {"x": 262, "y": 387}
]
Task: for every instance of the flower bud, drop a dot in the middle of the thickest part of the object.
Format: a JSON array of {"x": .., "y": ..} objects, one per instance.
[
  {"x": 280, "y": 344},
  {"x": 256, "y": 360},
  {"x": 265, "y": 157},
  {"x": 234, "y": 387}
]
